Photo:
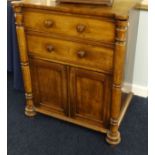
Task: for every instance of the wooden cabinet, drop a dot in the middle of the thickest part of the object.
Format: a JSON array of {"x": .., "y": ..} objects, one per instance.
[{"x": 72, "y": 59}]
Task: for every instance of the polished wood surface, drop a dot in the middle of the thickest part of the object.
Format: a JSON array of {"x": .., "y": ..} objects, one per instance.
[
  {"x": 50, "y": 86},
  {"x": 71, "y": 26},
  {"x": 90, "y": 96},
  {"x": 105, "y": 2},
  {"x": 24, "y": 60},
  {"x": 143, "y": 5},
  {"x": 113, "y": 135},
  {"x": 71, "y": 52},
  {"x": 119, "y": 10},
  {"x": 72, "y": 59}
]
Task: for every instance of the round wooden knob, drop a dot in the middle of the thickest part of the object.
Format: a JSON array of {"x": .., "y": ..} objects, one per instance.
[
  {"x": 81, "y": 54},
  {"x": 80, "y": 28},
  {"x": 48, "y": 23},
  {"x": 49, "y": 48}
]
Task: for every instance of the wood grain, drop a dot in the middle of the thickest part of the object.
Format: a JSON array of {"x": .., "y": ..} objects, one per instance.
[
  {"x": 90, "y": 96},
  {"x": 29, "y": 109},
  {"x": 50, "y": 86},
  {"x": 69, "y": 25},
  {"x": 65, "y": 51},
  {"x": 113, "y": 136},
  {"x": 73, "y": 59},
  {"x": 119, "y": 10}
]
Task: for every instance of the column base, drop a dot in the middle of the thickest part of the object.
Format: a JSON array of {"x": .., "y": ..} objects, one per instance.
[
  {"x": 113, "y": 139},
  {"x": 30, "y": 112}
]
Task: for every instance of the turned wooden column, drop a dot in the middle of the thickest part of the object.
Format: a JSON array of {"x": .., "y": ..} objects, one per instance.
[
  {"x": 29, "y": 109},
  {"x": 113, "y": 135}
]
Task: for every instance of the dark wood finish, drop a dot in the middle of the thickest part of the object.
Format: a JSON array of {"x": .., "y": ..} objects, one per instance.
[
  {"x": 72, "y": 59},
  {"x": 105, "y": 2}
]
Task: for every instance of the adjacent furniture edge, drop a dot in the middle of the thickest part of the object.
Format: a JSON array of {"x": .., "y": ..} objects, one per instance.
[{"x": 142, "y": 5}]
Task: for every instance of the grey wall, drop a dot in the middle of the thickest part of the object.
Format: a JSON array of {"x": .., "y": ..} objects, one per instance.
[{"x": 136, "y": 70}]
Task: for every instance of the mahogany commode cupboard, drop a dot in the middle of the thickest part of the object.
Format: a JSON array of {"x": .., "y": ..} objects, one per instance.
[{"x": 72, "y": 58}]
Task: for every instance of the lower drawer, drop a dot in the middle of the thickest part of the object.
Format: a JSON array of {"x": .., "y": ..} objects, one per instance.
[{"x": 70, "y": 52}]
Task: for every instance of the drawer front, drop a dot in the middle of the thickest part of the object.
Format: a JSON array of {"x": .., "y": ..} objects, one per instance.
[
  {"x": 71, "y": 26},
  {"x": 71, "y": 52}
]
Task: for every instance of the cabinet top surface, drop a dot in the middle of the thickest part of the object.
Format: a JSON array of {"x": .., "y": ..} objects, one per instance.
[{"x": 119, "y": 10}]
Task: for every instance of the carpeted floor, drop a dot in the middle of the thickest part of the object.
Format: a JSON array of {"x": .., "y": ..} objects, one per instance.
[{"x": 44, "y": 135}]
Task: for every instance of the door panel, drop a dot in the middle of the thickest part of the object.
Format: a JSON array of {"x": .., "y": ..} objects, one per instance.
[
  {"x": 49, "y": 83},
  {"x": 90, "y": 96}
]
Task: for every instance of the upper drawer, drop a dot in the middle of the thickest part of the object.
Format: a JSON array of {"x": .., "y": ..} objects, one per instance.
[
  {"x": 72, "y": 26},
  {"x": 76, "y": 54}
]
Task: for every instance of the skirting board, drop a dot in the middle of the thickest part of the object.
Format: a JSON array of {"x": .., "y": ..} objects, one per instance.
[{"x": 135, "y": 89}]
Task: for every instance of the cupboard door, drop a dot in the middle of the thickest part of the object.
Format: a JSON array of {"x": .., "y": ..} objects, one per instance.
[
  {"x": 90, "y": 96},
  {"x": 49, "y": 83}
]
